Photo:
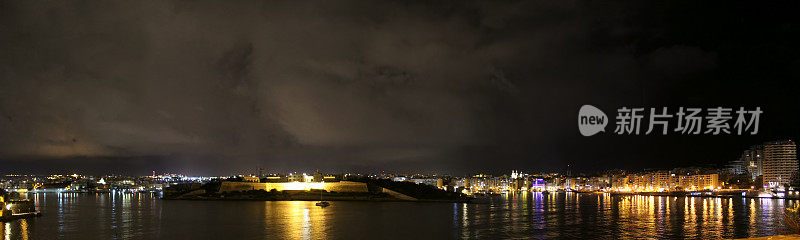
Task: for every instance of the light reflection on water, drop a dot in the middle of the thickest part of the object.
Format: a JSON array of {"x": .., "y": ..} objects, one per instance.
[
  {"x": 526, "y": 216},
  {"x": 299, "y": 218},
  {"x": 575, "y": 216}
]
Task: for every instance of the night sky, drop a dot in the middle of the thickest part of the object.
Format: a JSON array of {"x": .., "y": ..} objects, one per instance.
[{"x": 221, "y": 87}]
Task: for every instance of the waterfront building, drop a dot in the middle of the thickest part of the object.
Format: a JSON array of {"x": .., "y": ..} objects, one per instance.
[
  {"x": 751, "y": 162},
  {"x": 738, "y": 166},
  {"x": 538, "y": 185},
  {"x": 780, "y": 162},
  {"x": 707, "y": 181},
  {"x": 318, "y": 177},
  {"x": 294, "y": 177},
  {"x": 665, "y": 181},
  {"x": 619, "y": 182},
  {"x": 554, "y": 183},
  {"x": 754, "y": 158},
  {"x": 662, "y": 180},
  {"x": 598, "y": 183},
  {"x": 254, "y": 179},
  {"x": 433, "y": 181},
  {"x": 639, "y": 182}
]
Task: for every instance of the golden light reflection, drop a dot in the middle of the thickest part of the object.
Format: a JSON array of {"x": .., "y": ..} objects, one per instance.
[
  {"x": 7, "y": 228},
  {"x": 15, "y": 229},
  {"x": 23, "y": 227},
  {"x": 752, "y": 207},
  {"x": 302, "y": 219},
  {"x": 464, "y": 215}
]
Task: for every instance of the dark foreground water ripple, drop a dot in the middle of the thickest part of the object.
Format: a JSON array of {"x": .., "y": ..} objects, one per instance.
[{"x": 520, "y": 216}]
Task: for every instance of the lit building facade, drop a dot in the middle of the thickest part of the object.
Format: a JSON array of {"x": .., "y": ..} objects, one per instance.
[
  {"x": 780, "y": 162},
  {"x": 665, "y": 181},
  {"x": 754, "y": 159}
]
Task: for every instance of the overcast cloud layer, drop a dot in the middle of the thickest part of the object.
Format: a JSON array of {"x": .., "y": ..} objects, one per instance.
[{"x": 216, "y": 87}]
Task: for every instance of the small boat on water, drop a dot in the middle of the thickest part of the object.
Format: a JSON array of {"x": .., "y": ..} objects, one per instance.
[
  {"x": 15, "y": 209},
  {"x": 323, "y": 204},
  {"x": 15, "y": 216}
]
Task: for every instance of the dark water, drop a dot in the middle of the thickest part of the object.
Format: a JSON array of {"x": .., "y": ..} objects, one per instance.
[{"x": 531, "y": 215}]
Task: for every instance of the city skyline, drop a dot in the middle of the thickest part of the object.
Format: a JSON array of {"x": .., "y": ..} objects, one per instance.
[{"x": 779, "y": 163}]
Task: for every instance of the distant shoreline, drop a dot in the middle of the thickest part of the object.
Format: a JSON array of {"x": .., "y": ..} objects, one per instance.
[
  {"x": 294, "y": 195},
  {"x": 676, "y": 194},
  {"x": 704, "y": 195},
  {"x": 313, "y": 200}
]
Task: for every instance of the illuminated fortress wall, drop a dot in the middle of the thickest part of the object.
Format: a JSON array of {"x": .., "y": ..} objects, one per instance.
[{"x": 342, "y": 186}]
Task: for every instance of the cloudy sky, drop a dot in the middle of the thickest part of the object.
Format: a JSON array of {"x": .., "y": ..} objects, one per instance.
[{"x": 209, "y": 87}]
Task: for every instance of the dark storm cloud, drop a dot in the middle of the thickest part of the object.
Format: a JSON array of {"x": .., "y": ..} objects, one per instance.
[{"x": 342, "y": 85}]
